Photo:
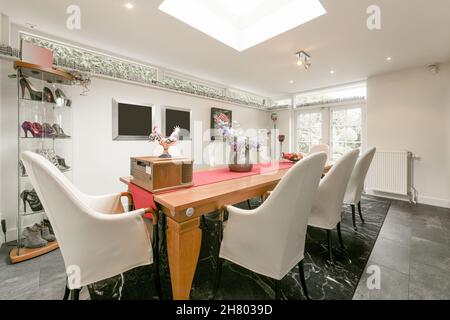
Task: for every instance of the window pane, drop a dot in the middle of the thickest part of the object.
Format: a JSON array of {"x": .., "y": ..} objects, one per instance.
[
  {"x": 339, "y": 118},
  {"x": 316, "y": 134},
  {"x": 309, "y": 130},
  {"x": 303, "y": 120},
  {"x": 354, "y": 117},
  {"x": 303, "y": 147},
  {"x": 346, "y": 131}
]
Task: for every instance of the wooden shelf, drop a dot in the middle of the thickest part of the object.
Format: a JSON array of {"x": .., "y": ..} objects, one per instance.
[
  {"x": 43, "y": 73},
  {"x": 27, "y": 254}
]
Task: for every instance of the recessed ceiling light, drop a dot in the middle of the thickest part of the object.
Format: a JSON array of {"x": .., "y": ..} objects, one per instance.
[
  {"x": 243, "y": 24},
  {"x": 332, "y": 72},
  {"x": 389, "y": 58},
  {"x": 291, "y": 81},
  {"x": 129, "y": 5}
]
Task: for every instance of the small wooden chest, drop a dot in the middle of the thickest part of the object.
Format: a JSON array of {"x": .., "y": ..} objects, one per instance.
[{"x": 155, "y": 174}]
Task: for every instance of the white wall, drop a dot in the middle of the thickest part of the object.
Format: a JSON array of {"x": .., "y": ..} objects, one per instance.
[
  {"x": 99, "y": 161},
  {"x": 410, "y": 110}
]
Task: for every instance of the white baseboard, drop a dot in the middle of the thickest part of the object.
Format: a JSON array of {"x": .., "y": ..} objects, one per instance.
[{"x": 436, "y": 202}]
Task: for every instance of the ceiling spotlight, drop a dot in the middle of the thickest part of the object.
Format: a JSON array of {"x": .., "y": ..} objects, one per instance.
[
  {"x": 303, "y": 59},
  {"x": 332, "y": 72},
  {"x": 291, "y": 81},
  {"x": 389, "y": 58},
  {"x": 129, "y": 6}
]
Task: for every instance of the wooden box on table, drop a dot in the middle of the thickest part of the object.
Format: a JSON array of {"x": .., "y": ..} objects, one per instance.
[{"x": 156, "y": 174}]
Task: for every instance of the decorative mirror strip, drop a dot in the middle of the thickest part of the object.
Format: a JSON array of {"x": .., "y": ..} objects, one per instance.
[{"x": 96, "y": 63}]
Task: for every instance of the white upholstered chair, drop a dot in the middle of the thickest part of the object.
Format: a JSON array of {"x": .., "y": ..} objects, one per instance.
[
  {"x": 355, "y": 186},
  {"x": 97, "y": 239},
  {"x": 320, "y": 148},
  {"x": 270, "y": 240},
  {"x": 327, "y": 206}
]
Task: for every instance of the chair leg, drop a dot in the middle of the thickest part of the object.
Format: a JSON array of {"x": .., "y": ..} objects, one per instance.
[
  {"x": 156, "y": 260},
  {"x": 66, "y": 293},
  {"x": 330, "y": 246},
  {"x": 75, "y": 294},
  {"x": 218, "y": 278},
  {"x": 354, "y": 217},
  {"x": 277, "y": 289},
  {"x": 340, "y": 235},
  {"x": 360, "y": 212},
  {"x": 249, "y": 204},
  {"x": 303, "y": 280}
]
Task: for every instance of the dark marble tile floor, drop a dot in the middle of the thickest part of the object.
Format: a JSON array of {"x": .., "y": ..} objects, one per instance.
[{"x": 416, "y": 238}]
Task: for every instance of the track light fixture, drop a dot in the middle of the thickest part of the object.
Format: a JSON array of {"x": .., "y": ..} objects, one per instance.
[{"x": 303, "y": 59}]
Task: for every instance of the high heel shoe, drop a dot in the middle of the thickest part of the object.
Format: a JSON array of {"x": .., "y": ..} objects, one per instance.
[
  {"x": 37, "y": 129},
  {"x": 62, "y": 164},
  {"x": 23, "y": 171},
  {"x": 34, "y": 94},
  {"x": 32, "y": 199},
  {"x": 59, "y": 131},
  {"x": 34, "y": 128},
  {"x": 48, "y": 131},
  {"x": 62, "y": 97},
  {"x": 48, "y": 95}
]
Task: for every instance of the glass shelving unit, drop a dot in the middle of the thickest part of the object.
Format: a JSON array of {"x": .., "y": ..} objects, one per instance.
[{"x": 45, "y": 127}]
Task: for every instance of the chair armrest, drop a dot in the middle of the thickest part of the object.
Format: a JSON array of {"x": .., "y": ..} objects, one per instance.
[
  {"x": 110, "y": 203},
  {"x": 130, "y": 214}
]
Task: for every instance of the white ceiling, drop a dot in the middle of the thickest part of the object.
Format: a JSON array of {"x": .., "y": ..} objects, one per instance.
[{"x": 414, "y": 33}]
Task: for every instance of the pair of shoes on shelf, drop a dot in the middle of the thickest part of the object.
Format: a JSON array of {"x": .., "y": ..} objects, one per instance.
[
  {"x": 37, "y": 236},
  {"x": 45, "y": 130},
  {"x": 51, "y": 156},
  {"x": 31, "y": 197},
  {"x": 46, "y": 95}
]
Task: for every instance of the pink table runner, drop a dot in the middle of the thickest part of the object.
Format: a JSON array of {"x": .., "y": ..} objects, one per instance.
[{"x": 144, "y": 199}]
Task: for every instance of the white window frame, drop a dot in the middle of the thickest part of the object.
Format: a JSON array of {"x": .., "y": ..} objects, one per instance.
[{"x": 327, "y": 126}]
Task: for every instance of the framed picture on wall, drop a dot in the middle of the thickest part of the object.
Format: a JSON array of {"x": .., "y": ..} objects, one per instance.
[
  {"x": 177, "y": 117},
  {"x": 222, "y": 114},
  {"x": 131, "y": 120}
]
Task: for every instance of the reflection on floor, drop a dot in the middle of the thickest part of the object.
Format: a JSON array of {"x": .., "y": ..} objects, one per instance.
[{"x": 412, "y": 253}]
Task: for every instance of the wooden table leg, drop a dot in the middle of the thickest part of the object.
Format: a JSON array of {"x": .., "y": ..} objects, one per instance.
[{"x": 183, "y": 246}]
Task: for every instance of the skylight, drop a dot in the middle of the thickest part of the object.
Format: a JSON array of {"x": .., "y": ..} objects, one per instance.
[{"x": 242, "y": 24}]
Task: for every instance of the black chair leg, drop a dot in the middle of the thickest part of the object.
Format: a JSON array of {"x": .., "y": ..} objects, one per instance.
[
  {"x": 75, "y": 294},
  {"x": 303, "y": 280},
  {"x": 354, "y": 217},
  {"x": 360, "y": 212},
  {"x": 277, "y": 289},
  {"x": 66, "y": 293},
  {"x": 330, "y": 246},
  {"x": 218, "y": 278},
  {"x": 219, "y": 266},
  {"x": 249, "y": 204},
  {"x": 156, "y": 260},
  {"x": 340, "y": 235}
]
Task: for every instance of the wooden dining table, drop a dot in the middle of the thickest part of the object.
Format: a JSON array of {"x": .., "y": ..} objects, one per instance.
[{"x": 184, "y": 209}]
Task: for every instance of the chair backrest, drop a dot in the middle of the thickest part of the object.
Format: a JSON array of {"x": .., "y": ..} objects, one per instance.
[
  {"x": 87, "y": 238},
  {"x": 320, "y": 148},
  {"x": 326, "y": 211},
  {"x": 283, "y": 217},
  {"x": 355, "y": 186}
]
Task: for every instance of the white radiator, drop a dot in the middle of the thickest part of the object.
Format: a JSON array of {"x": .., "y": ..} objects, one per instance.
[{"x": 392, "y": 172}]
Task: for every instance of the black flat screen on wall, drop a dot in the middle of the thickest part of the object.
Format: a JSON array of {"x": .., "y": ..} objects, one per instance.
[
  {"x": 134, "y": 120},
  {"x": 178, "y": 118}
]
